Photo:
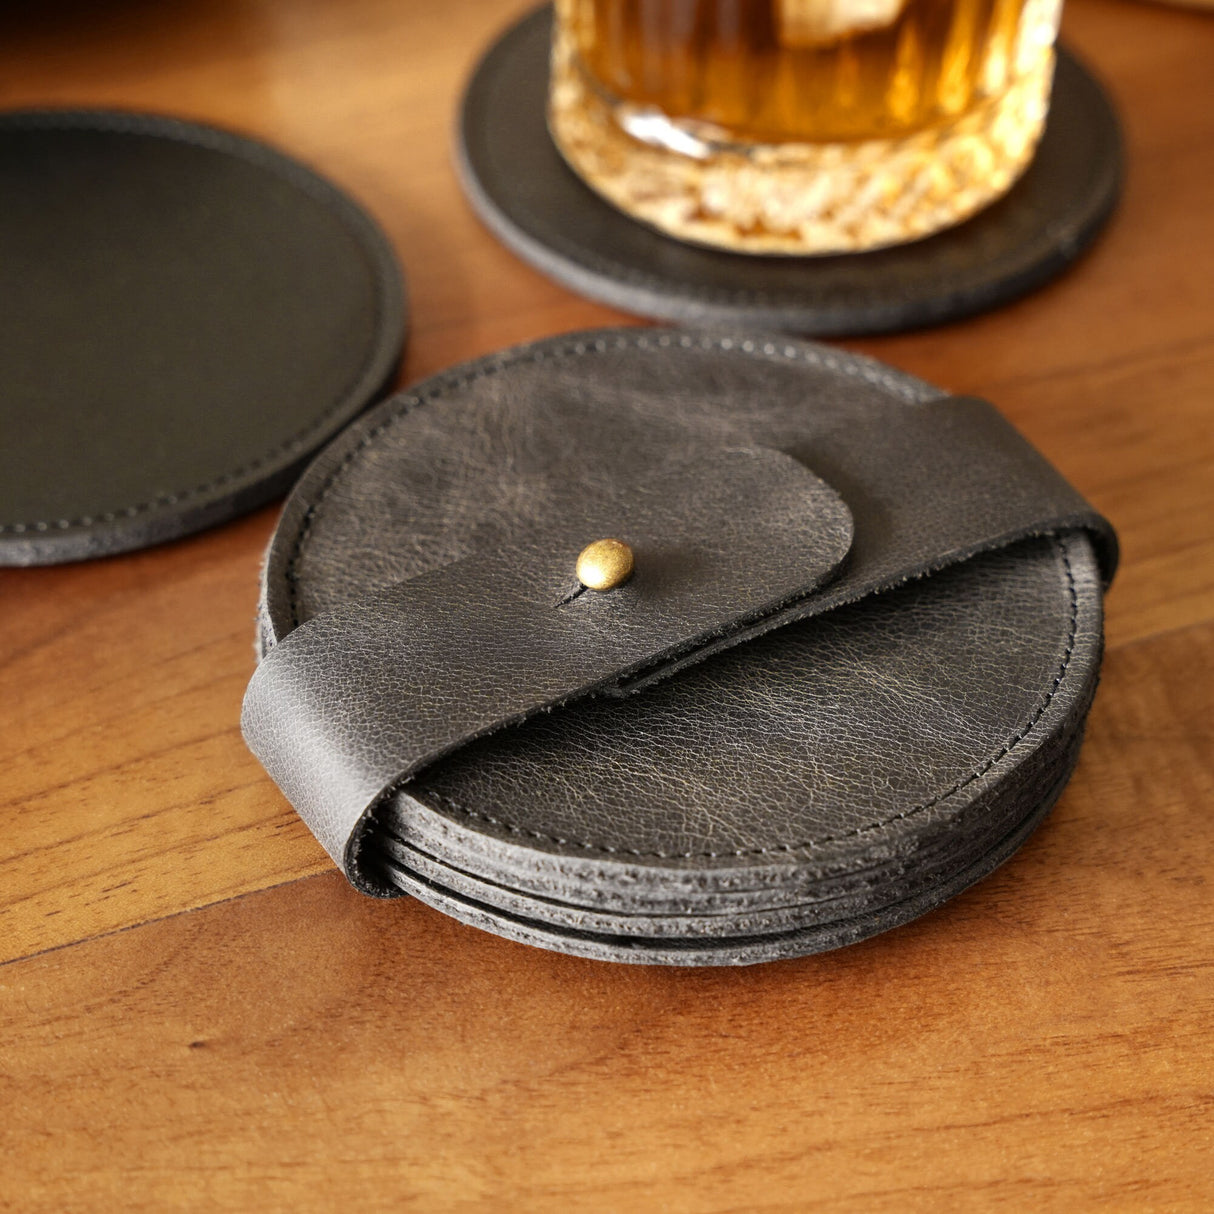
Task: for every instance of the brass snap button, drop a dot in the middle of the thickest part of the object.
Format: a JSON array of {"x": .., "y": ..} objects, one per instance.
[{"x": 605, "y": 564}]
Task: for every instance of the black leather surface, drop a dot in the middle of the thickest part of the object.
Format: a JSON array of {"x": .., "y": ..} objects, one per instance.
[
  {"x": 799, "y": 787},
  {"x": 188, "y": 315},
  {"x": 526, "y": 194}
]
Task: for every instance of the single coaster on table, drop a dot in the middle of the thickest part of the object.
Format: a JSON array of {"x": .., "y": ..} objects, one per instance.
[
  {"x": 529, "y": 197},
  {"x": 189, "y": 316}
]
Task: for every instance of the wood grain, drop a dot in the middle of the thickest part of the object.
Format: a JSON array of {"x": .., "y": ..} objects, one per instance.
[{"x": 1042, "y": 1042}]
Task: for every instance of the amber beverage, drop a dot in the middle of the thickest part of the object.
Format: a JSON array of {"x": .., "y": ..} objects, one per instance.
[{"x": 801, "y": 126}]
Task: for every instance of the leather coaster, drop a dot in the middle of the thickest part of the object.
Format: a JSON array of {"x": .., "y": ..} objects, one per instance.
[
  {"x": 189, "y": 315},
  {"x": 826, "y": 779},
  {"x": 534, "y": 203}
]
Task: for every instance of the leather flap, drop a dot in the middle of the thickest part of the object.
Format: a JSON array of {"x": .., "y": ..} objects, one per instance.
[{"x": 356, "y": 701}]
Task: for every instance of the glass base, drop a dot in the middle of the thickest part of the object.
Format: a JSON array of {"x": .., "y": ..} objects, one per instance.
[{"x": 795, "y": 199}]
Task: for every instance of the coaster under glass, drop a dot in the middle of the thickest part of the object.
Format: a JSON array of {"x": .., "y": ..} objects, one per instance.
[{"x": 528, "y": 196}]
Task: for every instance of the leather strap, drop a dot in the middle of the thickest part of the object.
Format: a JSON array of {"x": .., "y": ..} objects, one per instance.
[{"x": 729, "y": 543}]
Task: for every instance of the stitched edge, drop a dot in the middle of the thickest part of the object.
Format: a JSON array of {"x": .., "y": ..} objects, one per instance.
[
  {"x": 357, "y": 224},
  {"x": 868, "y": 828},
  {"x": 854, "y": 365}
]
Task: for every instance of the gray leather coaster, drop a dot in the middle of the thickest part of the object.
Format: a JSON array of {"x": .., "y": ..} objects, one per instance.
[
  {"x": 188, "y": 316},
  {"x": 825, "y": 779},
  {"x": 526, "y": 194}
]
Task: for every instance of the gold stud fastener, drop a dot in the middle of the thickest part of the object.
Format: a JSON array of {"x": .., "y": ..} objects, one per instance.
[{"x": 605, "y": 564}]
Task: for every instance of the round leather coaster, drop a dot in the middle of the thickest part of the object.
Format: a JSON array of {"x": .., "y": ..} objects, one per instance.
[
  {"x": 527, "y": 195},
  {"x": 815, "y": 785},
  {"x": 189, "y": 315}
]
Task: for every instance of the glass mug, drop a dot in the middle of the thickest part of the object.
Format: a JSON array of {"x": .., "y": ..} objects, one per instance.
[{"x": 801, "y": 126}]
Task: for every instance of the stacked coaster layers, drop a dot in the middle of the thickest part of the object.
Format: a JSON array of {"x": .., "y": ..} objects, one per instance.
[{"x": 809, "y": 787}]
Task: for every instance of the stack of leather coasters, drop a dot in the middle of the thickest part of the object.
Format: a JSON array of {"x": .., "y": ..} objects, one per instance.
[{"x": 845, "y": 678}]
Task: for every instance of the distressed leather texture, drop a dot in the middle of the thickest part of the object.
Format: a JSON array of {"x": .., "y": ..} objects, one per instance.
[
  {"x": 538, "y": 207},
  {"x": 826, "y": 779},
  {"x": 360, "y": 699},
  {"x": 189, "y": 316}
]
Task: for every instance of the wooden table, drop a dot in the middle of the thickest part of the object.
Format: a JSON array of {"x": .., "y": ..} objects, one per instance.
[{"x": 198, "y": 1013}]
